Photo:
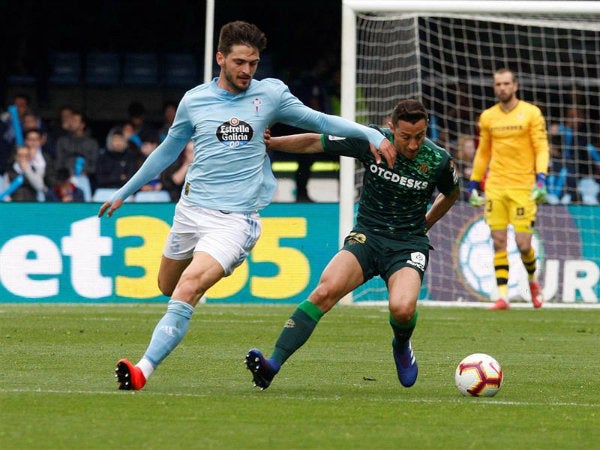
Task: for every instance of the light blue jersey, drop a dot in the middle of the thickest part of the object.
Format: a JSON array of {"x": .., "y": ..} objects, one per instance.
[{"x": 231, "y": 170}]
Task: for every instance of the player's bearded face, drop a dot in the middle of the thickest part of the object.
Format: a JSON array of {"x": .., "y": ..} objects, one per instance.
[
  {"x": 408, "y": 137},
  {"x": 237, "y": 68},
  {"x": 505, "y": 87}
]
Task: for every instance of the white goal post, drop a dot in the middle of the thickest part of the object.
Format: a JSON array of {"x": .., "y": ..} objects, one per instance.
[{"x": 574, "y": 74}]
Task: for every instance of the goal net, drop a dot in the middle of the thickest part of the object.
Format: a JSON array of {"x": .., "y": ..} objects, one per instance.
[{"x": 446, "y": 57}]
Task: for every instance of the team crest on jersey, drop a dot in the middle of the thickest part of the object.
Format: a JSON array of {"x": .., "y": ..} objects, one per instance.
[
  {"x": 356, "y": 238},
  {"x": 234, "y": 133},
  {"x": 256, "y": 102},
  {"x": 424, "y": 168}
]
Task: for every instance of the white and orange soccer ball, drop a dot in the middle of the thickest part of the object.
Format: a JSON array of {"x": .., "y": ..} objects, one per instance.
[{"x": 478, "y": 375}]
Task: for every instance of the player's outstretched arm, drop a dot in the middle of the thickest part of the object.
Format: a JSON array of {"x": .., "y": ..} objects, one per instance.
[
  {"x": 295, "y": 143},
  {"x": 440, "y": 207}
]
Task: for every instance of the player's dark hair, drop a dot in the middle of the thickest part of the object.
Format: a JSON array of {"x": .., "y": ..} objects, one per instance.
[
  {"x": 241, "y": 33},
  {"x": 409, "y": 111}
]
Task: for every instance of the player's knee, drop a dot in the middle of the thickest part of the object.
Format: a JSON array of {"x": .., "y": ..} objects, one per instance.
[
  {"x": 188, "y": 289},
  {"x": 324, "y": 296},
  {"x": 402, "y": 312},
  {"x": 166, "y": 288}
]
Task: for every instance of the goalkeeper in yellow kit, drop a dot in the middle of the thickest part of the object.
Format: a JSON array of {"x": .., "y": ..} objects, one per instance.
[{"x": 513, "y": 150}]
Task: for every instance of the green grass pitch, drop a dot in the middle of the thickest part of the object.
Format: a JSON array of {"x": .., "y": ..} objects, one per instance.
[{"x": 340, "y": 391}]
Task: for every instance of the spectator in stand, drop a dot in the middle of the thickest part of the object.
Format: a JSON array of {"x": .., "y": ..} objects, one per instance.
[
  {"x": 137, "y": 117},
  {"x": 61, "y": 126},
  {"x": 132, "y": 137},
  {"x": 148, "y": 146},
  {"x": 64, "y": 190},
  {"x": 22, "y": 102},
  {"x": 29, "y": 180},
  {"x": 40, "y": 159},
  {"x": 32, "y": 121},
  {"x": 577, "y": 127},
  {"x": 5, "y": 147},
  {"x": 576, "y": 161},
  {"x": 562, "y": 178},
  {"x": 173, "y": 176},
  {"x": 463, "y": 159},
  {"x": 78, "y": 152},
  {"x": 117, "y": 161},
  {"x": 459, "y": 118},
  {"x": 169, "y": 110}
]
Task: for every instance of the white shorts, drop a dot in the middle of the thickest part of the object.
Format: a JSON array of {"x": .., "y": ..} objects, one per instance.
[{"x": 226, "y": 236}]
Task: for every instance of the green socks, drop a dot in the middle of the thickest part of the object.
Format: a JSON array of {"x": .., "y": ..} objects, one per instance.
[
  {"x": 296, "y": 331},
  {"x": 403, "y": 331}
]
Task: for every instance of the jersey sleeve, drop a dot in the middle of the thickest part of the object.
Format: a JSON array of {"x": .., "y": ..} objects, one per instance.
[
  {"x": 161, "y": 158},
  {"x": 448, "y": 178},
  {"x": 539, "y": 140},
  {"x": 340, "y": 146},
  {"x": 484, "y": 150},
  {"x": 182, "y": 127},
  {"x": 293, "y": 112}
]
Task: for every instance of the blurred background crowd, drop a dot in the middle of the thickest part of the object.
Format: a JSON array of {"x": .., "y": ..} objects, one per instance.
[{"x": 96, "y": 86}]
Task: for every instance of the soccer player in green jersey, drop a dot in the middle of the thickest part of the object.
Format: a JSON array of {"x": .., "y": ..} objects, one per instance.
[{"x": 389, "y": 238}]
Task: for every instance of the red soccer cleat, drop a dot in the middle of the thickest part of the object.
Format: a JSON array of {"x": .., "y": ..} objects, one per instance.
[
  {"x": 499, "y": 304},
  {"x": 537, "y": 297},
  {"x": 129, "y": 377}
]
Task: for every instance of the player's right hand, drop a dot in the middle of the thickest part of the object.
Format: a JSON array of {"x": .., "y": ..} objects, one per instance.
[
  {"x": 387, "y": 150},
  {"x": 111, "y": 206},
  {"x": 475, "y": 199}
]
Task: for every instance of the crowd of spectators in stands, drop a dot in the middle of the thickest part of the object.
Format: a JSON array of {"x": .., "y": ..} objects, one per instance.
[{"x": 64, "y": 162}]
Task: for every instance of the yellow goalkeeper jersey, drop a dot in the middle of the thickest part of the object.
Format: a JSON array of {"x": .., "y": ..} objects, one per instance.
[{"x": 513, "y": 144}]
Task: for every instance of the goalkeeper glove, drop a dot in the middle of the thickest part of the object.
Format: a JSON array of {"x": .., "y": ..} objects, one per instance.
[
  {"x": 538, "y": 191},
  {"x": 475, "y": 199}
]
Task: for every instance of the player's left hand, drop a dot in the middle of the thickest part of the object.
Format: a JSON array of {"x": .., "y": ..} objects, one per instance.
[
  {"x": 110, "y": 206},
  {"x": 539, "y": 191},
  {"x": 267, "y": 138},
  {"x": 475, "y": 199},
  {"x": 387, "y": 151}
]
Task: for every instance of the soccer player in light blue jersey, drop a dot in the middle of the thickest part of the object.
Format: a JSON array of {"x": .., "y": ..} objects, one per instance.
[{"x": 230, "y": 180}]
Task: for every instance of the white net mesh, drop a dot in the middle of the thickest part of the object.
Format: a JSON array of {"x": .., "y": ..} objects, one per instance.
[{"x": 448, "y": 61}]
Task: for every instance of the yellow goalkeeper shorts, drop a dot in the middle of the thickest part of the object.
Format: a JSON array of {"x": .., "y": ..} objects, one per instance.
[{"x": 510, "y": 206}]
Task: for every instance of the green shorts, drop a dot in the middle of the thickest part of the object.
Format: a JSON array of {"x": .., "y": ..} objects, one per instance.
[{"x": 380, "y": 255}]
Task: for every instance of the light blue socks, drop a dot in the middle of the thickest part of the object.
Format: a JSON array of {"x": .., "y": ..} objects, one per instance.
[{"x": 169, "y": 331}]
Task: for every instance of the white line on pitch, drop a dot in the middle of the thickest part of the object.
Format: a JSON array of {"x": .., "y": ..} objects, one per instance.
[{"x": 480, "y": 400}]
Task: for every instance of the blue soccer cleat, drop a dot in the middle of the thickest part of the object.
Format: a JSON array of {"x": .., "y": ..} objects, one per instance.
[
  {"x": 406, "y": 364},
  {"x": 263, "y": 369}
]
